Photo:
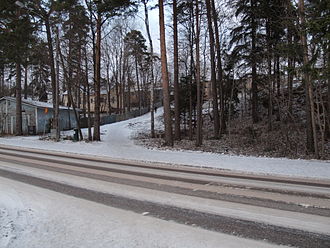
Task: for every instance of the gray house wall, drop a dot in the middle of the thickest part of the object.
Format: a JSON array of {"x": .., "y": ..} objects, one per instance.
[
  {"x": 43, "y": 120},
  {"x": 3, "y": 117},
  {"x": 32, "y": 116},
  {"x": 66, "y": 118},
  {"x": 8, "y": 117}
]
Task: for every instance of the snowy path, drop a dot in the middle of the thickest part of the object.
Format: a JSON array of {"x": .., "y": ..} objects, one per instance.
[{"x": 116, "y": 143}]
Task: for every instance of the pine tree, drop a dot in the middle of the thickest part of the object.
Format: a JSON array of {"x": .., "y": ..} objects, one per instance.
[
  {"x": 247, "y": 44},
  {"x": 165, "y": 80},
  {"x": 14, "y": 39},
  {"x": 135, "y": 46}
]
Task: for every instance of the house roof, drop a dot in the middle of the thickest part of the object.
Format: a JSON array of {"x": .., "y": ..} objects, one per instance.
[{"x": 36, "y": 103}]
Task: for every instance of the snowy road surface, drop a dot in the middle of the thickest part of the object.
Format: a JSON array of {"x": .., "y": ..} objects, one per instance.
[
  {"x": 160, "y": 206},
  {"x": 33, "y": 217},
  {"x": 117, "y": 143}
]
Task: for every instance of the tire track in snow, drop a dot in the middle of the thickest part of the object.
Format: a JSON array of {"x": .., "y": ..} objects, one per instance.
[
  {"x": 255, "y": 201},
  {"x": 247, "y": 229}
]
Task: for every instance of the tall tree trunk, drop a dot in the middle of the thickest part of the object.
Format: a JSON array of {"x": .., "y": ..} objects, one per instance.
[
  {"x": 278, "y": 85},
  {"x": 230, "y": 104},
  {"x": 123, "y": 85},
  {"x": 52, "y": 74},
  {"x": 138, "y": 84},
  {"x": 118, "y": 97},
  {"x": 128, "y": 96},
  {"x": 191, "y": 45},
  {"x": 19, "y": 130},
  {"x": 108, "y": 89},
  {"x": 165, "y": 80},
  {"x": 2, "y": 79},
  {"x": 213, "y": 72},
  {"x": 97, "y": 81},
  {"x": 290, "y": 57},
  {"x": 199, "y": 138},
  {"x": 290, "y": 83},
  {"x": 205, "y": 56},
  {"x": 310, "y": 120},
  {"x": 254, "y": 89},
  {"x": 152, "y": 79},
  {"x": 270, "y": 81},
  {"x": 84, "y": 103},
  {"x": 70, "y": 97},
  {"x": 89, "y": 122},
  {"x": 219, "y": 69},
  {"x": 278, "y": 76},
  {"x": 25, "y": 80},
  {"x": 177, "y": 132},
  {"x": 79, "y": 77},
  {"x": 120, "y": 82},
  {"x": 57, "y": 93},
  {"x": 122, "y": 97},
  {"x": 191, "y": 128},
  {"x": 68, "y": 77},
  {"x": 327, "y": 55}
]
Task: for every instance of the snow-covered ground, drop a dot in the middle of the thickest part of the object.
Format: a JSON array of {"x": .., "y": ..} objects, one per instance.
[
  {"x": 117, "y": 143},
  {"x": 33, "y": 217}
]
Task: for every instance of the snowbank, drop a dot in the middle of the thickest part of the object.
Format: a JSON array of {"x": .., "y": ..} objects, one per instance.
[{"x": 117, "y": 143}]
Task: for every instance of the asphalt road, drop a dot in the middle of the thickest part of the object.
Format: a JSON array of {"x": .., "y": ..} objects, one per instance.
[{"x": 286, "y": 211}]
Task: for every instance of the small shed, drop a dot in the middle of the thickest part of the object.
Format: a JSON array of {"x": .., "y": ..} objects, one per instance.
[{"x": 36, "y": 116}]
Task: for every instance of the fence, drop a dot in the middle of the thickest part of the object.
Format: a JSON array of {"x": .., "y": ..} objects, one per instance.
[{"x": 108, "y": 119}]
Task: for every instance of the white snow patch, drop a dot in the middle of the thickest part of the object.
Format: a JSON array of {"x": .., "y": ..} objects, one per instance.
[{"x": 117, "y": 143}]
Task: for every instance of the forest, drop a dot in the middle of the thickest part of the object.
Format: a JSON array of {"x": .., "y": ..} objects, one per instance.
[{"x": 244, "y": 77}]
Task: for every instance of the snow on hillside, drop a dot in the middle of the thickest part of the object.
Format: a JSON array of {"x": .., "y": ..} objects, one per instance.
[{"x": 117, "y": 142}]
